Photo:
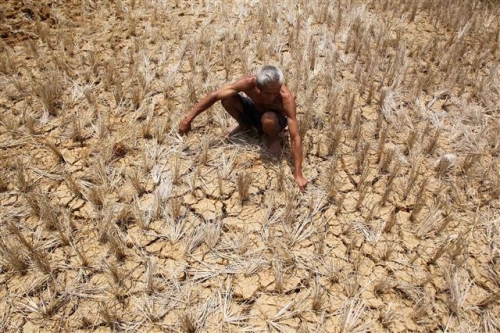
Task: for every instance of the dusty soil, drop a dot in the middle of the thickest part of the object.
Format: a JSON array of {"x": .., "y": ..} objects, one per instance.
[{"x": 112, "y": 221}]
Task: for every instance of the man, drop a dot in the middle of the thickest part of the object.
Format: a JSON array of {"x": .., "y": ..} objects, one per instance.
[{"x": 269, "y": 106}]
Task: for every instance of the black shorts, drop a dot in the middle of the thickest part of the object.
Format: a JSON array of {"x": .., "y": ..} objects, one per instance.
[{"x": 252, "y": 117}]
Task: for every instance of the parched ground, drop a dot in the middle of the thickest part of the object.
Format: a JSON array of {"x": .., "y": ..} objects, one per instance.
[{"x": 109, "y": 220}]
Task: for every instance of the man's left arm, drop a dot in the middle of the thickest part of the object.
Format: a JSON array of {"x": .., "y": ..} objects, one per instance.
[{"x": 290, "y": 107}]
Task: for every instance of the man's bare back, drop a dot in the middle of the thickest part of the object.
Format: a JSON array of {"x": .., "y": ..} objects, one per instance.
[{"x": 276, "y": 105}]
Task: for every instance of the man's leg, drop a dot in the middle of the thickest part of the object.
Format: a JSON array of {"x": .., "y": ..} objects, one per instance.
[
  {"x": 234, "y": 107},
  {"x": 271, "y": 126}
]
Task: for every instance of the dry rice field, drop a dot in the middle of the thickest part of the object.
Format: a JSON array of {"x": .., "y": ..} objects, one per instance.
[{"x": 112, "y": 221}]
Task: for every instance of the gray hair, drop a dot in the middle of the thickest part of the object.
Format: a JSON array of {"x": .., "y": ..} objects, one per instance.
[{"x": 269, "y": 74}]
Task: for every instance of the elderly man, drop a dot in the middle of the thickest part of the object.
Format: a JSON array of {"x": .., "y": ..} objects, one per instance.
[{"x": 269, "y": 106}]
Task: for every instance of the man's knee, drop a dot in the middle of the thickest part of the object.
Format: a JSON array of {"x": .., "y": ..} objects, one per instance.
[
  {"x": 232, "y": 102},
  {"x": 270, "y": 122},
  {"x": 234, "y": 107},
  {"x": 226, "y": 103}
]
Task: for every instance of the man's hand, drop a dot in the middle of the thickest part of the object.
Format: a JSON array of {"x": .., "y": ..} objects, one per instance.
[
  {"x": 301, "y": 182},
  {"x": 184, "y": 126}
]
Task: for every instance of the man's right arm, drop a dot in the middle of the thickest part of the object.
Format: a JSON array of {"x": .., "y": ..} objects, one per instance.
[
  {"x": 205, "y": 103},
  {"x": 223, "y": 93}
]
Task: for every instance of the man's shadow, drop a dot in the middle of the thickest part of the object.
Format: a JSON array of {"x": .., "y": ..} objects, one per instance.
[{"x": 251, "y": 137}]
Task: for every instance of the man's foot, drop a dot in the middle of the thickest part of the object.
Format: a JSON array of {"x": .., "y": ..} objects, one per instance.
[
  {"x": 274, "y": 147},
  {"x": 233, "y": 130}
]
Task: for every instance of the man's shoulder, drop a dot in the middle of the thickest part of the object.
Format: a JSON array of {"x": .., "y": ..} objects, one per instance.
[
  {"x": 286, "y": 93},
  {"x": 244, "y": 83},
  {"x": 248, "y": 80}
]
